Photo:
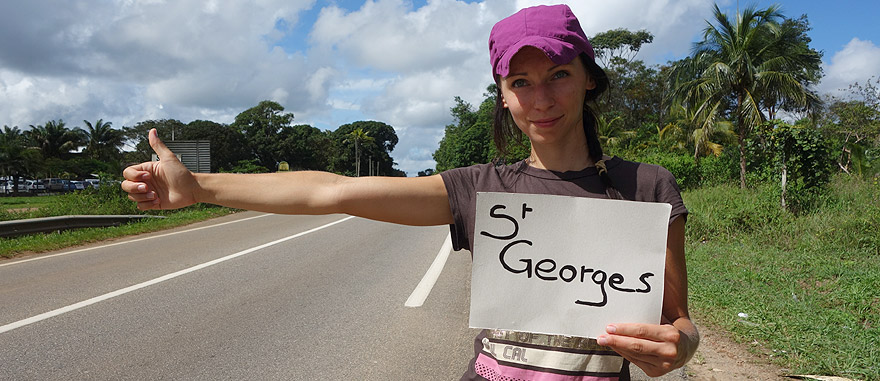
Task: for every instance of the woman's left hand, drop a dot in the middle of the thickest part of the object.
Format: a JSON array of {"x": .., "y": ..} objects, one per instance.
[{"x": 656, "y": 349}]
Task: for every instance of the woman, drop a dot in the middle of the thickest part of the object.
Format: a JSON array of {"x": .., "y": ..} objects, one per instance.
[{"x": 545, "y": 70}]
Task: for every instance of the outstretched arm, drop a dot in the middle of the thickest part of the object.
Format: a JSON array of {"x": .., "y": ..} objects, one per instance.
[
  {"x": 167, "y": 184},
  {"x": 659, "y": 349}
]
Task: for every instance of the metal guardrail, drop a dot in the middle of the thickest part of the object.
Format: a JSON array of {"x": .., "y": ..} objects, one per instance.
[{"x": 16, "y": 228}]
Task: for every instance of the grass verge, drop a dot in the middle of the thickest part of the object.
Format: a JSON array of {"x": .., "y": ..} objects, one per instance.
[
  {"x": 106, "y": 200},
  {"x": 25, "y": 202},
  {"x": 36, "y": 243},
  {"x": 802, "y": 289}
]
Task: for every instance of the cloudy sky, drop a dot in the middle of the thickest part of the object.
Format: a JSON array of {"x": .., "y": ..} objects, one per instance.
[{"x": 328, "y": 62}]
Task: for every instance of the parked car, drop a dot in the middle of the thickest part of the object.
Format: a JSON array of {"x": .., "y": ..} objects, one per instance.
[
  {"x": 76, "y": 185},
  {"x": 30, "y": 186},
  {"x": 53, "y": 184},
  {"x": 94, "y": 183}
]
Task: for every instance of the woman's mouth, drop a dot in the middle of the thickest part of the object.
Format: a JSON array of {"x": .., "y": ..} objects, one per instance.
[{"x": 546, "y": 122}]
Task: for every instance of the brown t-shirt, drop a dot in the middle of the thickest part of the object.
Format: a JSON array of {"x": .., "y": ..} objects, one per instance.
[
  {"x": 634, "y": 181},
  {"x": 510, "y": 355}
]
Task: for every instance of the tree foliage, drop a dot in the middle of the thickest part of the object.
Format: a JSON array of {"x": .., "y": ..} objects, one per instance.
[
  {"x": 376, "y": 154},
  {"x": 743, "y": 65},
  {"x": 260, "y": 125},
  {"x": 54, "y": 139},
  {"x": 103, "y": 143},
  {"x": 468, "y": 140},
  {"x": 854, "y": 122},
  {"x": 619, "y": 44}
]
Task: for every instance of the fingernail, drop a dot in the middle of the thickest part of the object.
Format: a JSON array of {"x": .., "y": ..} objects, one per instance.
[
  {"x": 602, "y": 340},
  {"x": 611, "y": 329},
  {"x": 142, "y": 188}
]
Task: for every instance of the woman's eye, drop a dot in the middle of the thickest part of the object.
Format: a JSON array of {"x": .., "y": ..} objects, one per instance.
[
  {"x": 518, "y": 83},
  {"x": 560, "y": 74}
]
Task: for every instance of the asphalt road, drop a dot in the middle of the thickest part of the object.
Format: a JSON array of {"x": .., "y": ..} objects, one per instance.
[{"x": 325, "y": 305}]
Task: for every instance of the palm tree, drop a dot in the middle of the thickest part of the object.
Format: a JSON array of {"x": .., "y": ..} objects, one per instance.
[
  {"x": 102, "y": 141},
  {"x": 54, "y": 139},
  {"x": 702, "y": 125},
  {"x": 611, "y": 132},
  {"x": 359, "y": 136},
  {"x": 15, "y": 160},
  {"x": 738, "y": 66}
]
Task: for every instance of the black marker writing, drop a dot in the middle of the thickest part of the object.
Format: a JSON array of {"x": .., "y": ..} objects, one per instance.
[{"x": 549, "y": 271}]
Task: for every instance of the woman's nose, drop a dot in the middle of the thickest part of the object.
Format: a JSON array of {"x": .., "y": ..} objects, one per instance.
[{"x": 543, "y": 97}]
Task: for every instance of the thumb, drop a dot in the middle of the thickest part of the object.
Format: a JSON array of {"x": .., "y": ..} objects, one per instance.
[{"x": 161, "y": 150}]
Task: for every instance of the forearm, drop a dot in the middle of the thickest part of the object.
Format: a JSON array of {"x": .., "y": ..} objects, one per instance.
[
  {"x": 285, "y": 193},
  {"x": 690, "y": 337},
  {"x": 410, "y": 201}
]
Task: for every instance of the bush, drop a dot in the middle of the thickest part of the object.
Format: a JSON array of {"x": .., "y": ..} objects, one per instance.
[
  {"x": 719, "y": 170},
  {"x": 726, "y": 211},
  {"x": 683, "y": 167}
]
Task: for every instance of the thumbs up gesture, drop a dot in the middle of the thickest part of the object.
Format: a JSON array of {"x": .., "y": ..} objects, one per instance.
[{"x": 163, "y": 184}]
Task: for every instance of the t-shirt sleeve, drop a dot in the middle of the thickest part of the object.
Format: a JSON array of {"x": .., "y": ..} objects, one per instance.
[
  {"x": 460, "y": 187},
  {"x": 667, "y": 191}
]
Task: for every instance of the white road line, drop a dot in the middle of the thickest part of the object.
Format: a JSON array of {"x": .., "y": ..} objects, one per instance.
[
  {"x": 418, "y": 296},
  {"x": 84, "y": 303},
  {"x": 131, "y": 241}
]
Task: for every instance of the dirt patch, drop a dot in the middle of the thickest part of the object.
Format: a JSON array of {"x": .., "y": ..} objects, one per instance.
[{"x": 720, "y": 359}]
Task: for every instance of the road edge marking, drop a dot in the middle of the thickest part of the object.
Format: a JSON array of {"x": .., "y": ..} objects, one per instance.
[
  {"x": 113, "y": 294},
  {"x": 14, "y": 262},
  {"x": 423, "y": 289}
]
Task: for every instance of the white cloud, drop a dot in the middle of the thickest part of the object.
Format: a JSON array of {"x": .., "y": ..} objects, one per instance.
[
  {"x": 212, "y": 59},
  {"x": 674, "y": 23},
  {"x": 858, "y": 61}
]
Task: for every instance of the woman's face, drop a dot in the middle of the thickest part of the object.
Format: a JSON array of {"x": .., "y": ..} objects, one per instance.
[{"x": 546, "y": 100}]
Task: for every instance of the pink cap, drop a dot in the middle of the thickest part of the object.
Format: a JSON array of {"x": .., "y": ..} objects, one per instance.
[{"x": 554, "y": 29}]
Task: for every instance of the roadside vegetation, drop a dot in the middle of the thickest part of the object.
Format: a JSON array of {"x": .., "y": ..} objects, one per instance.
[
  {"x": 800, "y": 289},
  {"x": 105, "y": 200}
]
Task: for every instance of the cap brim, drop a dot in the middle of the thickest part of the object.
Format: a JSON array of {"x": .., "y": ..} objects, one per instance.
[{"x": 558, "y": 51}]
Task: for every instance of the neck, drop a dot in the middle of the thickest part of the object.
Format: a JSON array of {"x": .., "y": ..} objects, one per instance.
[{"x": 561, "y": 160}]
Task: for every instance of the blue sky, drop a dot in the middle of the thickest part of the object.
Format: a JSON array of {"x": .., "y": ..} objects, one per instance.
[
  {"x": 329, "y": 62},
  {"x": 835, "y": 23}
]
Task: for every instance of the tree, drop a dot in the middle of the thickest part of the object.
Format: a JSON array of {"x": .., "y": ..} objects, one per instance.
[
  {"x": 737, "y": 65},
  {"x": 800, "y": 154},
  {"x": 228, "y": 144},
  {"x": 378, "y": 153},
  {"x": 359, "y": 137},
  {"x": 305, "y": 147},
  {"x": 137, "y": 136},
  {"x": 54, "y": 139},
  {"x": 260, "y": 125},
  {"x": 794, "y": 42},
  {"x": 102, "y": 141},
  {"x": 854, "y": 120},
  {"x": 620, "y": 44},
  {"x": 469, "y": 140},
  {"x": 16, "y": 159}
]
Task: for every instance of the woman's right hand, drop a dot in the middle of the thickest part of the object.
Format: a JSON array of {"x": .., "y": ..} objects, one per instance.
[{"x": 163, "y": 184}]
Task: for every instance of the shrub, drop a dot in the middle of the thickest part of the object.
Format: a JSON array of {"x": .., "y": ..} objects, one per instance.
[{"x": 683, "y": 167}]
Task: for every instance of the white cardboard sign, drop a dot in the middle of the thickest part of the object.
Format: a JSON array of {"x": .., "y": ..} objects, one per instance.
[{"x": 566, "y": 265}]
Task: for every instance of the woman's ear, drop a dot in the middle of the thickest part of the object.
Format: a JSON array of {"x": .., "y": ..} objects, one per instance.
[{"x": 591, "y": 83}]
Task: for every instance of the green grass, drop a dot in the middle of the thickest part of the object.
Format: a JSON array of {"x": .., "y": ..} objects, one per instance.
[
  {"x": 22, "y": 202},
  {"x": 35, "y": 243},
  {"x": 103, "y": 201},
  {"x": 809, "y": 283}
]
